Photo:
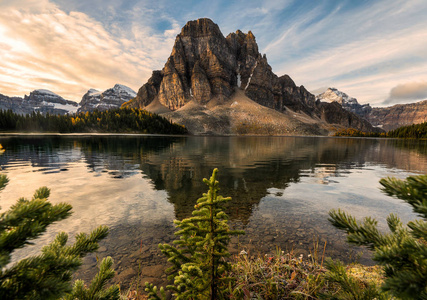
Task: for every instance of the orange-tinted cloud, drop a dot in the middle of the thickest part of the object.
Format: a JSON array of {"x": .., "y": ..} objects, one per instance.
[{"x": 71, "y": 51}]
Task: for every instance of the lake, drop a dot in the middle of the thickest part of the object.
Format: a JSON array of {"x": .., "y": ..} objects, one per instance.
[{"x": 282, "y": 190}]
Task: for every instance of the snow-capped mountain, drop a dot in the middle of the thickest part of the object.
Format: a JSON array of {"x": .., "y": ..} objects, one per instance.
[
  {"x": 347, "y": 102},
  {"x": 45, "y": 101},
  {"x": 41, "y": 100},
  {"x": 111, "y": 98}
]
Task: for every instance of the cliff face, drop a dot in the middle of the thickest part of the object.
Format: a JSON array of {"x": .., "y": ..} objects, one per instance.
[
  {"x": 389, "y": 118},
  {"x": 206, "y": 68}
]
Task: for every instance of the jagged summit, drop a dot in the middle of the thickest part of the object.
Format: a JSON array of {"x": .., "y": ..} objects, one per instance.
[
  {"x": 206, "y": 68},
  {"x": 200, "y": 28},
  {"x": 108, "y": 99},
  {"x": 204, "y": 65}
]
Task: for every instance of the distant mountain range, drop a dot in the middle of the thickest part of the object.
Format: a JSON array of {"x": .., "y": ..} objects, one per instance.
[
  {"x": 387, "y": 118},
  {"x": 223, "y": 85},
  {"x": 45, "y": 101}
]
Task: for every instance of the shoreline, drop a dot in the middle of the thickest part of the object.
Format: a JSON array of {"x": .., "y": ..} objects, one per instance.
[{"x": 87, "y": 134}]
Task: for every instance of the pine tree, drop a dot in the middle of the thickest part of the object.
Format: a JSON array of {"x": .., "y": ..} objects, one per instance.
[
  {"x": 199, "y": 269},
  {"x": 403, "y": 252},
  {"x": 48, "y": 275}
]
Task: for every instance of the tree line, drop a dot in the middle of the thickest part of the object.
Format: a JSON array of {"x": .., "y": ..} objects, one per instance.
[
  {"x": 414, "y": 131},
  {"x": 120, "y": 120}
]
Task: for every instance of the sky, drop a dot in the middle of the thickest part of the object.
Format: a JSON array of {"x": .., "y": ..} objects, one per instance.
[{"x": 373, "y": 50}]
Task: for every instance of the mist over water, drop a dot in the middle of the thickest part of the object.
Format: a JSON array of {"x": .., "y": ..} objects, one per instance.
[{"x": 282, "y": 189}]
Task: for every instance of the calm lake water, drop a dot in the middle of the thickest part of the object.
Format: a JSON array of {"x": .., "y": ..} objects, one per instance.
[{"x": 282, "y": 190}]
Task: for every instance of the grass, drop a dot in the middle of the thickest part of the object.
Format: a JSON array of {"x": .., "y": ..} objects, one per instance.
[
  {"x": 278, "y": 276},
  {"x": 283, "y": 275},
  {"x": 287, "y": 276}
]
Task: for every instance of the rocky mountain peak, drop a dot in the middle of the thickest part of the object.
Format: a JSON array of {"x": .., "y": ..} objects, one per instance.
[
  {"x": 108, "y": 99},
  {"x": 46, "y": 101},
  {"x": 205, "y": 67},
  {"x": 200, "y": 28},
  {"x": 250, "y": 35},
  {"x": 348, "y": 103}
]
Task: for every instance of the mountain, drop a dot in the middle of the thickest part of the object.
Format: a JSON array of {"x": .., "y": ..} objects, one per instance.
[
  {"x": 392, "y": 117},
  {"x": 387, "y": 118},
  {"x": 43, "y": 101},
  {"x": 347, "y": 102},
  {"x": 111, "y": 98},
  {"x": 208, "y": 75}
]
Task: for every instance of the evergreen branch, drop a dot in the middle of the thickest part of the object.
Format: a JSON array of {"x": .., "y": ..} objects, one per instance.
[
  {"x": 3, "y": 181},
  {"x": 403, "y": 252},
  {"x": 394, "y": 223},
  {"x": 42, "y": 193},
  {"x": 413, "y": 191},
  {"x": 419, "y": 229}
]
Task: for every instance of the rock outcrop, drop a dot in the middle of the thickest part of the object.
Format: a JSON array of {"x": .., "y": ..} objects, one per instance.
[
  {"x": 206, "y": 68},
  {"x": 109, "y": 99}
]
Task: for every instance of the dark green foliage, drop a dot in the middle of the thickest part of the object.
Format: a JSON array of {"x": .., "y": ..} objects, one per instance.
[
  {"x": 357, "y": 133},
  {"x": 199, "y": 269},
  {"x": 47, "y": 275},
  {"x": 113, "y": 121},
  {"x": 97, "y": 289},
  {"x": 403, "y": 251},
  {"x": 414, "y": 131}
]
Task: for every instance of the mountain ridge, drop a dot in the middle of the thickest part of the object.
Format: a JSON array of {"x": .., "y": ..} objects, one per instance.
[
  {"x": 205, "y": 68},
  {"x": 46, "y": 101},
  {"x": 387, "y": 118}
]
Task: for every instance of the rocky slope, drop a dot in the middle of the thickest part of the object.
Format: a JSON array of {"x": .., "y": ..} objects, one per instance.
[
  {"x": 347, "y": 102},
  {"x": 41, "y": 100},
  {"x": 205, "y": 69},
  {"x": 111, "y": 98},
  {"x": 389, "y": 118}
]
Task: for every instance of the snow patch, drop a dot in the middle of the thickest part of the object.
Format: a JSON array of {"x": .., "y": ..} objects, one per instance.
[
  {"x": 47, "y": 92},
  {"x": 239, "y": 80},
  {"x": 125, "y": 89},
  {"x": 234, "y": 103},
  {"x": 67, "y": 107},
  {"x": 250, "y": 77},
  {"x": 93, "y": 92},
  {"x": 191, "y": 93}
]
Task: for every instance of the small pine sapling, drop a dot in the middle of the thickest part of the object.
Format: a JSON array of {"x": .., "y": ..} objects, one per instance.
[{"x": 199, "y": 269}]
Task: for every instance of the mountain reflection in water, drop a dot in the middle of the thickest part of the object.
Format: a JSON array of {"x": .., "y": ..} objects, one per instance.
[{"x": 282, "y": 188}]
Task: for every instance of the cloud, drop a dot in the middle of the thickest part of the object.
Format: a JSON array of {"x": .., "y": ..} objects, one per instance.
[
  {"x": 408, "y": 91},
  {"x": 361, "y": 47},
  {"x": 71, "y": 51}
]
